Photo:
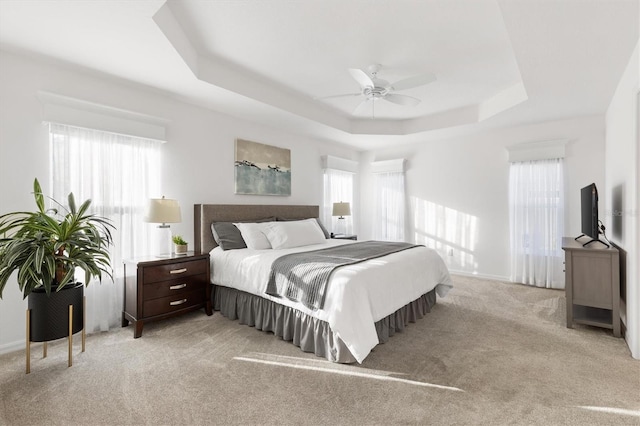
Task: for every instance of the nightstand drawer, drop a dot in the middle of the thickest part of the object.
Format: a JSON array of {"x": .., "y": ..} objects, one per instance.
[
  {"x": 173, "y": 271},
  {"x": 176, "y": 302},
  {"x": 174, "y": 287}
]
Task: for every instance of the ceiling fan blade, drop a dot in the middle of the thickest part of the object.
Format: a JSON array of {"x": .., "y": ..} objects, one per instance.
[
  {"x": 361, "y": 77},
  {"x": 402, "y": 99},
  {"x": 411, "y": 82},
  {"x": 360, "y": 105},
  {"x": 344, "y": 95}
]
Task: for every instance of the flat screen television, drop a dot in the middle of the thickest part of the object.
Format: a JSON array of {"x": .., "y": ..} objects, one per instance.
[{"x": 589, "y": 211}]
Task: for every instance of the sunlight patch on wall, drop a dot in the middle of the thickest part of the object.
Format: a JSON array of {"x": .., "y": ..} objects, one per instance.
[{"x": 452, "y": 233}]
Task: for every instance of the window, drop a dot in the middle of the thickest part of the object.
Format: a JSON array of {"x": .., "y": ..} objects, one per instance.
[
  {"x": 389, "y": 220},
  {"x": 536, "y": 213},
  {"x": 338, "y": 187},
  {"x": 119, "y": 174}
]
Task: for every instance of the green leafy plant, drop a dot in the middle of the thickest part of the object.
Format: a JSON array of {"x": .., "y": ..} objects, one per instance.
[
  {"x": 46, "y": 246},
  {"x": 178, "y": 240}
]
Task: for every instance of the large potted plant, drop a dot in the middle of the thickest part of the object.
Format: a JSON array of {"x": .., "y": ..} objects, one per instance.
[{"x": 46, "y": 247}]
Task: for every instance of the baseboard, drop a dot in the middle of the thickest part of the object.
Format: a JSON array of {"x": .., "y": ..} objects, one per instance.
[
  {"x": 11, "y": 347},
  {"x": 483, "y": 276}
]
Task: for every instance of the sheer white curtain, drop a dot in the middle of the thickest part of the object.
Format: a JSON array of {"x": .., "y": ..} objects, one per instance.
[
  {"x": 338, "y": 187},
  {"x": 389, "y": 218},
  {"x": 119, "y": 174},
  {"x": 536, "y": 213}
]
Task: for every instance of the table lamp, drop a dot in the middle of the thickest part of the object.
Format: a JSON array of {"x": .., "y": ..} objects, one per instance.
[
  {"x": 163, "y": 211},
  {"x": 341, "y": 209}
]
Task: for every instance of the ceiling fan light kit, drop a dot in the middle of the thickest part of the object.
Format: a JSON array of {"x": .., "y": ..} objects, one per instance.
[{"x": 374, "y": 88}]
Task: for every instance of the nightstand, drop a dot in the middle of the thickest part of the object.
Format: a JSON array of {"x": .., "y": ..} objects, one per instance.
[
  {"x": 158, "y": 288},
  {"x": 344, "y": 237}
]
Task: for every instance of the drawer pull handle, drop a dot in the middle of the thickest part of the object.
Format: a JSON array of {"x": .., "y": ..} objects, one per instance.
[
  {"x": 177, "y": 286},
  {"x": 178, "y": 271},
  {"x": 177, "y": 302}
]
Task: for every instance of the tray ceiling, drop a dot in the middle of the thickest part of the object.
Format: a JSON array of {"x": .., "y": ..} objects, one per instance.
[{"x": 496, "y": 62}]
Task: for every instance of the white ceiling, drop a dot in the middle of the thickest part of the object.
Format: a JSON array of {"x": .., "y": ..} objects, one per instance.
[{"x": 497, "y": 63}]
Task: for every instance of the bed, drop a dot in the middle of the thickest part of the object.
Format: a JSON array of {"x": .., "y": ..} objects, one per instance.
[{"x": 359, "y": 310}]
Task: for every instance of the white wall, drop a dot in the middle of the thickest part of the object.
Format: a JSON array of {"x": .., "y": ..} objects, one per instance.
[
  {"x": 622, "y": 188},
  {"x": 197, "y": 160},
  {"x": 459, "y": 182},
  {"x": 458, "y": 189}
]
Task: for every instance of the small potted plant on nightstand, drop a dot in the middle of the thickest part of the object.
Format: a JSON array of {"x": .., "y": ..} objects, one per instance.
[{"x": 180, "y": 244}]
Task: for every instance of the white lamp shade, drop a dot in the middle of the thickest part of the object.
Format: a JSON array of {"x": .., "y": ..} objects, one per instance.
[
  {"x": 163, "y": 210},
  {"x": 341, "y": 209}
]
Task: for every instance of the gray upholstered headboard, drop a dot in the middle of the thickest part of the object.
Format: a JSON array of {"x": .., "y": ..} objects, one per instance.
[{"x": 205, "y": 214}]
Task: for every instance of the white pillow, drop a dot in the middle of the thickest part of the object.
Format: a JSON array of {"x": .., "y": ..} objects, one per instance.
[
  {"x": 294, "y": 233},
  {"x": 253, "y": 235}
]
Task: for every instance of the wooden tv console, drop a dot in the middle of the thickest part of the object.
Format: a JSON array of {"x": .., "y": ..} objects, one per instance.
[{"x": 592, "y": 284}]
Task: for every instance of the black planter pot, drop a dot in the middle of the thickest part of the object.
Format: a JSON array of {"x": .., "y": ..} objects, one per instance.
[{"x": 50, "y": 314}]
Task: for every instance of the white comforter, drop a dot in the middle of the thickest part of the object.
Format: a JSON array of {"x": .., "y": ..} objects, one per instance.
[{"x": 357, "y": 295}]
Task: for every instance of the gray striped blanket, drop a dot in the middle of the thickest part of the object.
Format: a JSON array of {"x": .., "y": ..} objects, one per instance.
[{"x": 303, "y": 277}]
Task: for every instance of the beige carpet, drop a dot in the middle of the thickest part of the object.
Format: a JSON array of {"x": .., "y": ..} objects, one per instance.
[{"x": 489, "y": 353}]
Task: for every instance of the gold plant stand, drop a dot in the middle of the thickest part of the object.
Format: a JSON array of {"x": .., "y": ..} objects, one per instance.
[{"x": 69, "y": 338}]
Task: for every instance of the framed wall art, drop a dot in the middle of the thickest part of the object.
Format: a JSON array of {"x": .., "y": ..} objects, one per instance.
[{"x": 262, "y": 169}]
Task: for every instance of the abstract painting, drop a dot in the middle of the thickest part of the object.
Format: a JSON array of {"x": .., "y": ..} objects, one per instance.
[{"x": 262, "y": 169}]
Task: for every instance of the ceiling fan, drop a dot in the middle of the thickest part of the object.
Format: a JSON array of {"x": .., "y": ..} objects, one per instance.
[{"x": 374, "y": 88}]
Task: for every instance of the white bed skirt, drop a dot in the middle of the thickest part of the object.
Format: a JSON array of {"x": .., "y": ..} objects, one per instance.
[{"x": 308, "y": 333}]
